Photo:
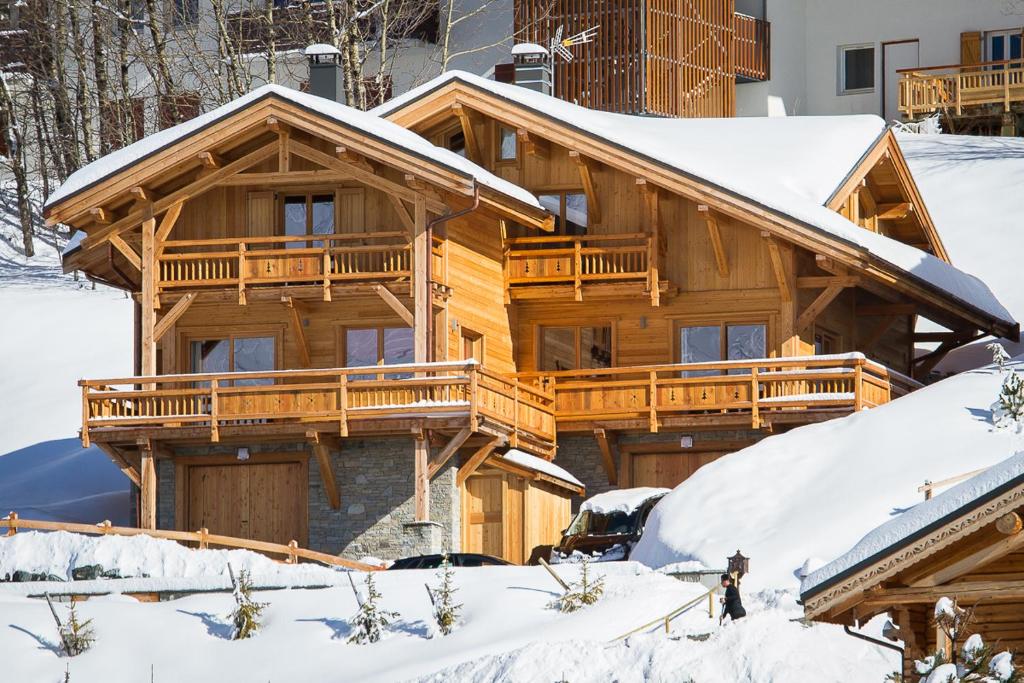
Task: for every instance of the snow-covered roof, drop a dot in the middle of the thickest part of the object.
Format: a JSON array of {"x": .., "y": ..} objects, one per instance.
[
  {"x": 364, "y": 122},
  {"x": 621, "y": 500},
  {"x": 318, "y": 49},
  {"x": 532, "y": 462},
  {"x": 920, "y": 520},
  {"x": 790, "y": 165},
  {"x": 528, "y": 49}
]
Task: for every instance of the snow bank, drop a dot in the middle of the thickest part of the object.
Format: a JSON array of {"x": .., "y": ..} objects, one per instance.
[
  {"x": 362, "y": 121},
  {"x": 621, "y": 500},
  {"x": 815, "y": 491}
]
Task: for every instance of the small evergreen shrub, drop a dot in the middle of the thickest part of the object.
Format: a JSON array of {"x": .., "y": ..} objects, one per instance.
[
  {"x": 582, "y": 593},
  {"x": 76, "y": 635},
  {"x": 446, "y": 611},
  {"x": 246, "y": 617},
  {"x": 370, "y": 622}
]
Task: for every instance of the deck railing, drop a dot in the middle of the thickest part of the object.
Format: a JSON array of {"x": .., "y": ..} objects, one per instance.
[
  {"x": 955, "y": 86},
  {"x": 578, "y": 260},
  {"x": 336, "y": 395},
  {"x": 751, "y": 387},
  {"x": 299, "y": 259},
  {"x": 752, "y": 47}
]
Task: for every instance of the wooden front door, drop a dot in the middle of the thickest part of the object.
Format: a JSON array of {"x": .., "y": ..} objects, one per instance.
[
  {"x": 667, "y": 469},
  {"x": 484, "y": 508},
  {"x": 261, "y": 501}
]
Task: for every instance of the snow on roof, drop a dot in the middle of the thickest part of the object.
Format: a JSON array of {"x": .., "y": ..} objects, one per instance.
[
  {"x": 791, "y": 165},
  {"x": 919, "y": 520},
  {"x": 621, "y": 500},
  {"x": 971, "y": 184},
  {"x": 532, "y": 462},
  {"x": 814, "y": 491},
  {"x": 74, "y": 242},
  {"x": 317, "y": 49},
  {"x": 528, "y": 49},
  {"x": 364, "y": 122}
]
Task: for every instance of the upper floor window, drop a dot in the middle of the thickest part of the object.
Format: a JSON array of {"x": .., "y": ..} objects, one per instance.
[
  {"x": 366, "y": 346},
  {"x": 825, "y": 342},
  {"x": 570, "y": 209},
  {"x": 184, "y": 12},
  {"x": 574, "y": 347},
  {"x": 506, "y": 144},
  {"x": 456, "y": 142},
  {"x": 856, "y": 69},
  {"x": 308, "y": 214},
  {"x": 725, "y": 341},
  {"x": 1003, "y": 45},
  {"x": 234, "y": 354}
]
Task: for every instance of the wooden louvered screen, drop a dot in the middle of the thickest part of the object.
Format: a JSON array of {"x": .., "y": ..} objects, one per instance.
[{"x": 656, "y": 57}]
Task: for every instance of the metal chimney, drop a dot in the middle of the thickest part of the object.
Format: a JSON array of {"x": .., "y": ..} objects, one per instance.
[
  {"x": 325, "y": 75},
  {"x": 532, "y": 64}
]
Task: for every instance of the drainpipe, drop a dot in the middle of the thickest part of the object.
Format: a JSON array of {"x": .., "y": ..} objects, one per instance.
[
  {"x": 875, "y": 641},
  {"x": 430, "y": 263}
]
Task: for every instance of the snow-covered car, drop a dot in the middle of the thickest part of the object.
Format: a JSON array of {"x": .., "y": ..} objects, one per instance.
[
  {"x": 456, "y": 559},
  {"x": 608, "y": 525}
]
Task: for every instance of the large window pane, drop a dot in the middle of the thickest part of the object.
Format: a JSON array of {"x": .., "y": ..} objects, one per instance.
[
  {"x": 323, "y": 216},
  {"x": 575, "y": 214},
  {"x": 744, "y": 342},
  {"x": 858, "y": 68},
  {"x": 295, "y": 219},
  {"x": 398, "y": 348},
  {"x": 254, "y": 354},
  {"x": 595, "y": 347},
  {"x": 457, "y": 143},
  {"x": 700, "y": 345},
  {"x": 360, "y": 349},
  {"x": 507, "y": 144},
  {"x": 210, "y": 355},
  {"x": 558, "y": 348}
]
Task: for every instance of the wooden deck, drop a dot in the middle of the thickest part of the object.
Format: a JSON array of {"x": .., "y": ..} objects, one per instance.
[
  {"x": 454, "y": 395},
  {"x": 954, "y": 87},
  {"x": 741, "y": 394}
]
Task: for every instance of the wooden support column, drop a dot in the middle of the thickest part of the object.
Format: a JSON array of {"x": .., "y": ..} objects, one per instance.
[
  {"x": 653, "y": 218},
  {"x": 147, "y": 489},
  {"x": 587, "y": 179},
  {"x": 812, "y": 312},
  {"x": 397, "y": 306},
  {"x": 475, "y": 460},
  {"x": 715, "y": 235},
  {"x": 607, "y": 445},
  {"x": 468, "y": 133},
  {"x": 147, "y": 301},
  {"x": 421, "y": 472},
  {"x": 421, "y": 288},
  {"x": 450, "y": 449},
  {"x": 323, "y": 459},
  {"x": 298, "y": 331}
]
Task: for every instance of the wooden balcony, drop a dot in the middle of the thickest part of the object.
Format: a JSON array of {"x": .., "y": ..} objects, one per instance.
[
  {"x": 254, "y": 262},
  {"x": 954, "y": 88},
  {"x": 738, "y": 394},
  {"x": 343, "y": 400},
  {"x": 752, "y": 48},
  {"x": 572, "y": 265}
]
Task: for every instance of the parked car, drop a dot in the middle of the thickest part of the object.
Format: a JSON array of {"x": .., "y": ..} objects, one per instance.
[
  {"x": 457, "y": 560},
  {"x": 608, "y": 525}
]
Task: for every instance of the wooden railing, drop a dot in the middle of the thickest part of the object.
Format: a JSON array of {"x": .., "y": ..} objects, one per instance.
[
  {"x": 752, "y": 45},
  {"x": 578, "y": 260},
  {"x": 955, "y": 86},
  {"x": 338, "y": 395},
  {"x": 754, "y": 387},
  {"x": 202, "y": 538},
  {"x": 302, "y": 259}
]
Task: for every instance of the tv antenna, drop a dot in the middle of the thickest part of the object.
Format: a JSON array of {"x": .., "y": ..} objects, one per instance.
[{"x": 560, "y": 46}]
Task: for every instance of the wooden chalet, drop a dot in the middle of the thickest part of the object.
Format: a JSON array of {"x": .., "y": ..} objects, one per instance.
[
  {"x": 965, "y": 544},
  {"x": 373, "y": 332}
]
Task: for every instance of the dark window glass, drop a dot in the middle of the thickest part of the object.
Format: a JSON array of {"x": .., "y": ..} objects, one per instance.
[
  {"x": 858, "y": 68},
  {"x": 457, "y": 143}
]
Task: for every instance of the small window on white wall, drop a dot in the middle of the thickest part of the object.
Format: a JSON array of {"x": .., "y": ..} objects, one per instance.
[{"x": 856, "y": 69}]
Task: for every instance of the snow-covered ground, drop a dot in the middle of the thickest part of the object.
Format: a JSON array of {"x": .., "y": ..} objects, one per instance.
[
  {"x": 56, "y": 331},
  {"x": 807, "y": 496},
  {"x": 508, "y": 630}
]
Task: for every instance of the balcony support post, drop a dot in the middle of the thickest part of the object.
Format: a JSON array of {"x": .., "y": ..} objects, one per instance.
[
  {"x": 422, "y": 476},
  {"x": 606, "y": 442},
  {"x": 148, "y": 298},
  {"x": 421, "y": 288},
  {"x": 653, "y": 242},
  {"x": 147, "y": 489}
]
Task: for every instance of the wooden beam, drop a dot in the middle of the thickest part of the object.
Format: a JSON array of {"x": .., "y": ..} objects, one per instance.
[
  {"x": 963, "y": 591},
  {"x": 210, "y": 160},
  {"x": 167, "y": 224},
  {"x": 926, "y": 363},
  {"x": 148, "y": 299},
  {"x": 587, "y": 179},
  {"x": 300, "y": 333},
  {"x": 1004, "y": 546},
  {"x": 716, "y": 239},
  {"x": 126, "y": 251},
  {"x": 533, "y": 145},
  {"x": 885, "y": 309},
  {"x": 607, "y": 445},
  {"x": 319, "y": 176},
  {"x": 894, "y": 212},
  {"x": 177, "y": 310},
  {"x": 421, "y": 471},
  {"x": 397, "y": 306},
  {"x": 147, "y": 488},
  {"x": 403, "y": 214},
  {"x": 778, "y": 267},
  {"x": 468, "y": 133},
  {"x": 323, "y": 458},
  {"x": 284, "y": 158},
  {"x": 653, "y": 224},
  {"x": 475, "y": 460},
  {"x": 876, "y": 333},
  {"x": 450, "y": 449},
  {"x": 275, "y": 125},
  {"x": 141, "y": 194},
  {"x": 354, "y": 158},
  {"x": 193, "y": 189},
  {"x": 121, "y": 461},
  {"x": 100, "y": 216},
  {"x": 422, "y": 303},
  {"x": 822, "y": 281},
  {"x": 812, "y": 312}
]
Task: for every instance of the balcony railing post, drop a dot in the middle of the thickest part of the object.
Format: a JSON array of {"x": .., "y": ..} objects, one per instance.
[
  {"x": 241, "y": 273},
  {"x": 327, "y": 271},
  {"x": 214, "y": 410},
  {"x": 85, "y": 415},
  {"x": 515, "y": 414},
  {"x": 755, "y": 394},
  {"x": 343, "y": 404},
  {"x": 858, "y": 386},
  {"x": 653, "y": 418},
  {"x": 473, "y": 408},
  {"x": 577, "y": 268}
]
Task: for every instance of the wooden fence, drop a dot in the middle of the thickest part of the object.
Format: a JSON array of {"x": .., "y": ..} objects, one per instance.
[
  {"x": 203, "y": 538},
  {"x": 956, "y": 86}
]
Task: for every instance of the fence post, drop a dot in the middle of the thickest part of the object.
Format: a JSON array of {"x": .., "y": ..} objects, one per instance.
[
  {"x": 12, "y": 523},
  {"x": 711, "y": 604},
  {"x": 327, "y": 271},
  {"x": 204, "y": 541},
  {"x": 105, "y": 526},
  {"x": 293, "y": 555},
  {"x": 858, "y": 384}
]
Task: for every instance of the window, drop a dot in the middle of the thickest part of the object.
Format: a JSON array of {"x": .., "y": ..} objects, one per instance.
[
  {"x": 856, "y": 69},
  {"x": 308, "y": 214},
  {"x": 1003, "y": 45},
  {"x": 575, "y": 347},
  {"x": 472, "y": 345},
  {"x": 825, "y": 342},
  {"x": 234, "y": 354},
  {"x": 184, "y": 12},
  {"x": 712, "y": 343},
  {"x": 507, "y": 144},
  {"x": 366, "y": 346},
  {"x": 570, "y": 209},
  {"x": 456, "y": 142}
]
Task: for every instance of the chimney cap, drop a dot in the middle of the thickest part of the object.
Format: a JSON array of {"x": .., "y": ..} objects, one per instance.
[
  {"x": 321, "y": 49},
  {"x": 528, "y": 49}
]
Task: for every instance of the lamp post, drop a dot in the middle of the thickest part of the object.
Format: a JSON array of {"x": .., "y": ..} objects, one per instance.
[{"x": 738, "y": 566}]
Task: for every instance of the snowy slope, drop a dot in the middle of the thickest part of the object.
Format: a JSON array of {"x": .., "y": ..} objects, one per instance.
[{"x": 812, "y": 493}]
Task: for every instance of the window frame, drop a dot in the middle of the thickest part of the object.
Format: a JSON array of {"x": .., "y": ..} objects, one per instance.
[
  {"x": 500, "y": 160},
  {"x": 723, "y": 326},
  {"x": 342, "y": 346},
  {"x": 841, "y": 66},
  {"x": 188, "y": 336},
  {"x": 449, "y": 134},
  {"x": 577, "y": 326},
  {"x": 835, "y": 339},
  {"x": 467, "y": 335},
  {"x": 282, "y": 198}
]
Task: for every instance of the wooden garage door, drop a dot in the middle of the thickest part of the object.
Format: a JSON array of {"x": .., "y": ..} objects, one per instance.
[
  {"x": 266, "y": 502},
  {"x": 667, "y": 469},
  {"x": 483, "y": 515}
]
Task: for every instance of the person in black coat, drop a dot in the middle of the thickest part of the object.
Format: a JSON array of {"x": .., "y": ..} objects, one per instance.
[{"x": 731, "y": 603}]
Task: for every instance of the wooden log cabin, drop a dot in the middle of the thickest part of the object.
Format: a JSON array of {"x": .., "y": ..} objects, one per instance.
[
  {"x": 965, "y": 544},
  {"x": 564, "y": 300}
]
